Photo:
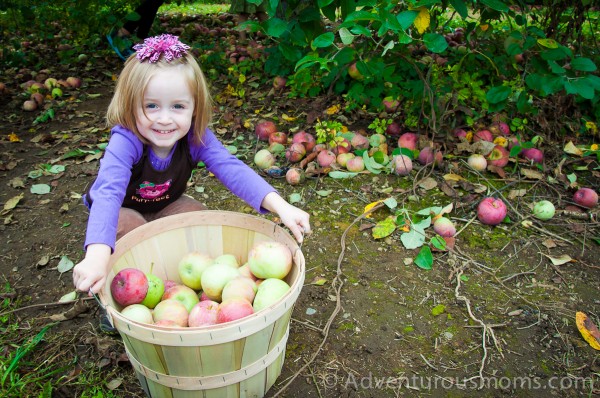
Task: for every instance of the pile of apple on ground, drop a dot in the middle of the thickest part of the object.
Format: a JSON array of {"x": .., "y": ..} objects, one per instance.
[{"x": 212, "y": 290}]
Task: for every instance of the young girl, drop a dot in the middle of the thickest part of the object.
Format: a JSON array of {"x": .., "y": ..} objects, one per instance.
[{"x": 160, "y": 110}]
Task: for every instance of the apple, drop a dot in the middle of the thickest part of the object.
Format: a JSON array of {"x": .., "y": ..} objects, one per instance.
[
  {"x": 269, "y": 292},
  {"x": 50, "y": 83},
  {"x": 276, "y": 148},
  {"x": 166, "y": 323},
  {"x": 390, "y": 104},
  {"x": 491, "y": 211},
  {"x": 533, "y": 154},
  {"x": 359, "y": 141},
  {"x": 239, "y": 287},
  {"x": 203, "y": 314},
  {"x": 30, "y": 105},
  {"x": 429, "y": 155},
  {"x": 129, "y": 286},
  {"x": 306, "y": 139},
  {"x": 343, "y": 158},
  {"x": 477, "y": 162},
  {"x": 355, "y": 164},
  {"x": 393, "y": 130},
  {"x": 38, "y": 98},
  {"x": 586, "y": 197},
  {"x": 171, "y": 310},
  {"x": 245, "y": 271},
  {"x": 74, "y": 82},
  {"x": 233, "y": 309},
  {"x": 354, "y": 72},
  {"x": 402, "y": 165},
  {"x": 56, "y": 92},
  {"x": 169, "y": 284},
  {"x": 156, "y": 289},
  {"x": 444, "y": 227},
  {"x": 295, "y": 152},
  {"x": 294, "y": 176},
  {"x": 326, "y": 158},
  {"x": 138, "y": 313},
  {"x": 215, "y": 278},
  {"x": 500, "y": 128},
  {"x": 544, "y": 210},
  {"x": 279, "y": 137},
  {"x": 264, "y": 159},
  {"x": 279, "y": 82},
  {"x": 498, "y": 156},
  {"x": 227, "y": 259},
  {"x": 183, "y": 294},
  {"x": 270, "y": 259},
  {"x": 460, "y": 134},
  {"x": 264, "y": 129},
  {"x": 191, "y": 267},
  {"x": 408, "y": 140},
  {"x": 483, "y": 135}
]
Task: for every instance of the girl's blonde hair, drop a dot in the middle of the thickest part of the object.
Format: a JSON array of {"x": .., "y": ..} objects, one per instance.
[{"x": 132, "y": 83}]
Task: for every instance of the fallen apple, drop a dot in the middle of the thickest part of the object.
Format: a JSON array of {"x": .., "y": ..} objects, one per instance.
[
  {"x": 270, "y": 259},
  {"x": 279, "y": 137},
  {"x": 477, "y": 162},
  {"x": 498, "y": 156},
  {"x": 402, "y": 165},
  {"x": 306, "y": 139},
  {"x": 544, "y": 210},
  {"x": 264, "y": 129},
  {"x": 586, "y": 197},
  {"x": 533, "y": 154},
  {"x": 263, "y": 159},
  {"x": 295, "y": 153},
  {"x": 483, "y": 135},
  {"x": 359, "y": 141},
  {"x": 129, "y": 286},
  {"x": 326, "y": 158},
  {"x": 408, "y": 140},
  {"x": 355, "y": 164},
  {"x": 444, "y": 227},
  {"x": 430, "y": 155},
  {"x": 491, "y": 211},
  {"x": 30, "y": 105},
  {"x": 294, "y": 176},
  {"x": 342, "y": 158}
]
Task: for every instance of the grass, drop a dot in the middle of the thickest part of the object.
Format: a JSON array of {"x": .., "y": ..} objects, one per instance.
[{"x": 202, "y": 7}]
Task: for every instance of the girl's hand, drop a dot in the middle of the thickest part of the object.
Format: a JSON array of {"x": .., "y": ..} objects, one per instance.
[
  {"x": 91, "y": 272},
  {"x": 297, "y": 220}
]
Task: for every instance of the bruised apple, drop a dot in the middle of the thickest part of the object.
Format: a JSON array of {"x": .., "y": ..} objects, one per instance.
[
  {"x": 444, "y": 227},
  {"x": 355, "y": 164},
  {"x": 264, "y": 129},
  {"x": 270, "y": 259},
  {"x": 586, "y": 197},
  {"x": 306, "y": 139},
  {"x": 325, "y": 158},
  {"x": 233, "y": 308},
  {"x": 295, "y": 152},
  {"x": 498, "y": 156},
  {"x": 402, "y": 165},
  {"x": 129, "y": 286}
]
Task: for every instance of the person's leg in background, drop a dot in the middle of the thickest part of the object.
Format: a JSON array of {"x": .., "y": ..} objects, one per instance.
[{"x": 147, "y": 12}]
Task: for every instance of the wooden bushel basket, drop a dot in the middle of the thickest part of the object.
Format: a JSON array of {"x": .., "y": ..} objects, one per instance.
[{"x": 242, "y": 358}]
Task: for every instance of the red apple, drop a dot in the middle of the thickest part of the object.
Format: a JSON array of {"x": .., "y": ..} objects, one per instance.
[
  {"x": 340, "y": 146},
  {"x": 325, "y": 158},
  {"x": 402, "y": 165},
  {"x": 279, "y": 137},
  {"x": 183, "y": 294},
  {"x": 38, "y": 98},
  {"x": 203, "y": 314},
  {"x": 355, "y": 164},
  {"x": 390, "y": 104},
  {"x": 359, "y": 141},
  {"x": 294, "y": 176},
  {"x": 306, "y": 139},
  {"x": 354, "y": 72},
  {"x": 270, "y": 259},
  {"x": 498, "y": 157},
  {"x": 393, "y": 130},
  {"x": 169, "y": 284},
  {"x": 500, "y": 128},
  {"x": 408, "y": 140},
  {"x": 129, "y": 286},
  {"x": 239, "y": 287},
  {"x": 30, "y": 105},
  {"x": 491, "y": 211},
  {"x": 74, "y": 82},
  {"x": 460, "y": 133},
  {"x": 444, "y": 227},
  {"x": 483, "y": 135},
  {"x": 233, "y": 309},
  {"x": 586, "y": 197},
  {"x": 533, "y": 154},
  {"x": 171, "y": 310},
  {"x": 264, "y": 129},
  {"x": 342, "y": 158},
  {"x": 429, "y": 155},
  {"x": 295, "y": 153},
  {"x": 279, "y": 82}
]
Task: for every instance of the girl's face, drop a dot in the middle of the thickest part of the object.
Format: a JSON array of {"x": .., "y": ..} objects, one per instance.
[{"x": 167, "y": 110}]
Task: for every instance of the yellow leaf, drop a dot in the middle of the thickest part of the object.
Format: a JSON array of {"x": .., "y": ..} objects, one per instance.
[
  {"x": 469, "y": 136},
  {"x": 588, "y": 330},
  {"x": 422, "y": 20},
  {"x": 333, "y": 109},
  {"x": 453, "y": 177},
  {"x": 484, "y": 27},
  {"x": 12, "y": 137},
  {"x": 571, "y": 149},
  {"x": 370, "y": 206},
  {"x": 287, "y": 118},
  {"x": 501, "y": 141}
]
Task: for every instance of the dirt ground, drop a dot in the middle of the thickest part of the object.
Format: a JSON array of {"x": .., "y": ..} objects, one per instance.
[{"x": 495, "y": 317}]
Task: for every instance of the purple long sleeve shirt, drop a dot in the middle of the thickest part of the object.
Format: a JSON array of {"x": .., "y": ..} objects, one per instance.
[{"x": 125, "y": 149}]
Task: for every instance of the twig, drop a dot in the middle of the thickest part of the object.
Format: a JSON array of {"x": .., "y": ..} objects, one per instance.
[
  {"x": 428, "y": 364},
  {"x": 45, "y": 305},
  {"x": 506, "y": 279},
  {"x": 336, "y": 284}
]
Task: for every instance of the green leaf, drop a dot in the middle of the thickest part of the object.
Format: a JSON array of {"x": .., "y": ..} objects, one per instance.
[
  {"x": 583, "y": 64},
  {"x": 438, "y": 310},
  {"x": 362, "y": 16},
  {"x": 424, "y": 259},
  {"x": 322, "y": 41},
  {"x": 406, "y": 18},
  {"x": 413, "y": 239},
  {"x": 430, "y": 211},
  {"x": 65, "y": 264},
  {"x": 548, "y": 43},
  {"x": 438, "y": 242},
  {"x": 324, "y": 3},
  {"x": 40, "y": 189},
  {"x": 435, "y": 42},
  {"x": 496, "y": 5},
  {"x": 346, "y": 36},
  {"x": 460, "y": 7},
  {"x": 392, "y": 203},
  {"x": 68, "y": 297},
  {"x": 324, "y": 192},
  {"x": 498, "y": 94},
  {"x": 56, "y": 169},
  {"x": 578, "y": 86},
  {"x": 276, "y": 27},
  {"x": 515, "y": 151},
  {"x": 341, "y": 174},
  {"x": 295, "y": 198},
  {"x": 384, "y": 228}
]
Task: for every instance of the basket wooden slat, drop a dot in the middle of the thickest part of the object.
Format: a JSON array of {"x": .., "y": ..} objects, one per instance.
[{"x": 237, "y": 359}]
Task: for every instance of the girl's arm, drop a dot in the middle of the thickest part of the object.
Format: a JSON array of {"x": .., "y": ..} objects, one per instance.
[
  {"x": 91, "y": 272},
  {"x": 297, "y": 220}
]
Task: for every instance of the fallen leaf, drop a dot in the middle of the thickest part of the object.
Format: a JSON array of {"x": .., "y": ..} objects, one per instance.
[
  {"x": 16, "y": 182},
  {"x": 12, "y": 202},
  {"x": 565, "y": 258},
  {"x": 532, "y": 174},
  {"x": 549, "y": 243},
  {"x": 68, "y": 297},
  {"x": 369, "y": 207},
  {"x": 453, "y": 177},
  {"x": 65, "y": 264},
  {"x": 114, "y": 384},
  {"x": 428, "y": 183},
  {"x": 516, "y": 193},
  {"x": 571, "y": 149},
  {"x": 318, "y": 280},
  {"x": 40, "y": 189},
  {"x": 384, "y": 228},
  {"x": 588, "y": 330}
]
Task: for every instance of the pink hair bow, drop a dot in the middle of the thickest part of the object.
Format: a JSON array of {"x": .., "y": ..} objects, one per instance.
[{"x": 167, "y": 45}]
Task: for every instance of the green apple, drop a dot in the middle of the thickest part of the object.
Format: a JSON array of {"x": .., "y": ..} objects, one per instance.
[
  {"x": 138, "y": 313},
  {"x": 156, "y": 289},
  {"x": 270, "y": 259},
  {"x": 191, "y": 267},
  {"x": 269, "y": 292},
  {"x": 227, "y": 259},
  {"x": 183, "y": 294},
  {"x": 215, "y": 278}
]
